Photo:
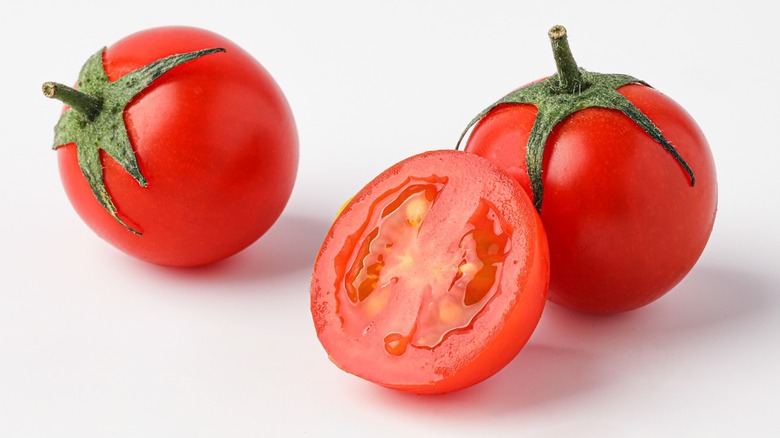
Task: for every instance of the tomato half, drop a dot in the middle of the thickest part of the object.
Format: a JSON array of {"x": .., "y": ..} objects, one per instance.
[
  {"x": 215, "y": 140},
  {"x": 433, "y": 277},
  {"x": 624, "y": 223}
]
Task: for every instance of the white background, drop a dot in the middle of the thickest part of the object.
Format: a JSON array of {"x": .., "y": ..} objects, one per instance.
[{"x": 95, "y": 343}]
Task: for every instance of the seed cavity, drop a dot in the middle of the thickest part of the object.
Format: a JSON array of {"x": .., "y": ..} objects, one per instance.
[
  {"x": 396, "y": 227},
  {"x": 483, "y": 249}
]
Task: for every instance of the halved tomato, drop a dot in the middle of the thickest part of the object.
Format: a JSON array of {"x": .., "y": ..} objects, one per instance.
[{"x": 434, "y": 275}]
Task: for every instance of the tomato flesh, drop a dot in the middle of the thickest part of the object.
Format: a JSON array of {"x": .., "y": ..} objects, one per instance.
[{"x": 429, "y": 281}]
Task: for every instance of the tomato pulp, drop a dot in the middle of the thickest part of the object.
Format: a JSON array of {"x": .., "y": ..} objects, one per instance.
[{"x": 434, "y": 275}]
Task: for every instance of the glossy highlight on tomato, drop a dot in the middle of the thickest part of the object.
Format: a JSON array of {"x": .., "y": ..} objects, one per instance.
[
  {"x": 215, "y": 141},
  {"x": 433, "y": 277}
]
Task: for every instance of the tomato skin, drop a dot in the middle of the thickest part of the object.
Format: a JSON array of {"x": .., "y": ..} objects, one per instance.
[
  {"x": 216, "y": 141},
  {"x": 465, "y": 356},
  {"x": 624, "y": 223}
]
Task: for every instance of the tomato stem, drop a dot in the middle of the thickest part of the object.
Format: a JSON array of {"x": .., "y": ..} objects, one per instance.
[
  {"x": 569, "y": 77},
  {"x": 82, "y": 102}
]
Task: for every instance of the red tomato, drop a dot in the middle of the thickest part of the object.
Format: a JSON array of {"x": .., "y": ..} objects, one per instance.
[
  {"x": 624, "y": 223},
  {"x": 215, "y": 140},
  {"x": 433, "y": 277}
]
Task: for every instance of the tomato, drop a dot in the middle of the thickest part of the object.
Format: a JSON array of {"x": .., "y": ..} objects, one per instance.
[
  {"x": 625, "y": 221},
  {"x": 214, "y": 142},
  {"x": 433, "y": 277}
]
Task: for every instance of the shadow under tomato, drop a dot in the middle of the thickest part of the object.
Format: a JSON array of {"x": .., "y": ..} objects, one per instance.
[
  {"x": 572, "y": 354},
  {"x": 289, "y": 247}
]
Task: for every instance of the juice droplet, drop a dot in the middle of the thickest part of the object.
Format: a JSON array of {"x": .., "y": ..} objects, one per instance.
[{"x": 396, "y": 343}]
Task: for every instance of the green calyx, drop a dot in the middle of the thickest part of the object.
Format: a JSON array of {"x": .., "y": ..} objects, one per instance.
[
  {"x": 95, "y": 119},
  {"x": 569, "y": 90}
]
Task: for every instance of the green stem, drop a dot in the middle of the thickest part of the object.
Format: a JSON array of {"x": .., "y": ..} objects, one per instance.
[
  {"x": 569, "y": 75},
  {"x": 82, "y": 102}
]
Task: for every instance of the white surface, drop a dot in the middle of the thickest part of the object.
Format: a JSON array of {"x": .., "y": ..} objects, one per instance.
[{"x": 95, "y": 343}]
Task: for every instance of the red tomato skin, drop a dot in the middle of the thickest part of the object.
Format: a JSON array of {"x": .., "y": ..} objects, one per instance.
[
  {"x": 500, "y": 331},
  {"x": 624, "y": 223},
  {"x": 216, "y": 141}
]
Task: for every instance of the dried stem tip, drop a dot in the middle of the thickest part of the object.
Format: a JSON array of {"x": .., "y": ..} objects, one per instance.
[
  {"x": 557, "y": 32},
  {"x": 49, "y": 89}
]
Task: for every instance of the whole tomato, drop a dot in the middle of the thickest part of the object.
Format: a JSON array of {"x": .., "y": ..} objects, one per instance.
[
  {"x": 623, "y": 177},
  {"x": 434, "y": 275},
  {"x": 176, "y": 146}
]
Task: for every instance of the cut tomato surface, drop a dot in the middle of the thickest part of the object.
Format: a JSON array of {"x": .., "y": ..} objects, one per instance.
[{"x": 434, "y": 275}]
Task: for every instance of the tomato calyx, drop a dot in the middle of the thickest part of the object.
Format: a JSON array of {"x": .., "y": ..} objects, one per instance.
[
  {"x": 569, "y": 90},
  {"x": 95, "y": 118}
]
